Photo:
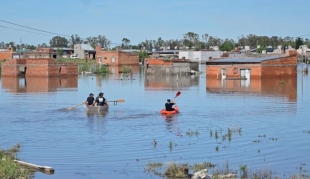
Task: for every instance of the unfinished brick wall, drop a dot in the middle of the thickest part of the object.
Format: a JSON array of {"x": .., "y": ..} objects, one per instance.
[
  {"x": 38, "y": 67},
  {"x": 121, "y": 58},
  {"x": 284, "y": 66},
  {"x": 127, "y": 58}
]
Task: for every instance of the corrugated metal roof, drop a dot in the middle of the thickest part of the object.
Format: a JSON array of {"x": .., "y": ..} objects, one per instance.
[
  {"x": 243, "y": 60},
  {"x": 87, "y": 47}
]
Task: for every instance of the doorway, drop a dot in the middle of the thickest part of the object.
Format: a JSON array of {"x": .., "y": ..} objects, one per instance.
[{"x": 245, "y": 73}]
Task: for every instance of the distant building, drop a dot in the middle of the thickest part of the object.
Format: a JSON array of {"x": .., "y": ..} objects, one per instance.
[
  {"x": 269, "y": 66},
  {"x": 115, "y": 58},
  {"x": 200, "y": 56},
  {"x": 84, "y": 51}
]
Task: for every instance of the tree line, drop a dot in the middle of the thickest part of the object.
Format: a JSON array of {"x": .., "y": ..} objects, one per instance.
[{"x": 190, "y": 40}]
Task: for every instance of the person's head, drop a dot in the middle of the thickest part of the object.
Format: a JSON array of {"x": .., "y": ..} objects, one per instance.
[
  {"x": 101, "y": 94},
  {"x": 168, "y": 100},
  {"x": 91, "y": 95}
]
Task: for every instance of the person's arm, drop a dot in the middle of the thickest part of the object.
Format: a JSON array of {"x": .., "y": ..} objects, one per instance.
[{"x": 174, "y": 103}]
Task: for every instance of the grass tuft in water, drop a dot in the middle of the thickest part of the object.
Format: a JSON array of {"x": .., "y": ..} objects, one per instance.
[
  {"x": 176, "y": 171},
  {"x": 154, "y": 142},
  {"x": 170, "y": 145},
  {"x": 204, "y": 165}
]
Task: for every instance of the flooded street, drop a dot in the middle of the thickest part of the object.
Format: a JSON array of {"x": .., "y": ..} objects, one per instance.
[{"x": 268, "y": 119}]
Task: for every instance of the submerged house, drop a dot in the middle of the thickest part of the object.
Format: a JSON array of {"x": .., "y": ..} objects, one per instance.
[
  {"x": 38, "y": 67},
  {"x": 115, "y": 58},
  {"x": 170, "y": 66},
  {"x": 271, "y": 66}
]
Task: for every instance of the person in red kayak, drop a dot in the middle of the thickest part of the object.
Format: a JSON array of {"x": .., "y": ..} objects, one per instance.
[{"x": 169, "y": 105}]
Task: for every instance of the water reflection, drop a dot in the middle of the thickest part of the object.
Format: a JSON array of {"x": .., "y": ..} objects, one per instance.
[
  {"x": 92, "y": 115},
  {"x": 277, "y": 87},
  {"x": 172, "y": 124},
  {"x": 157, "y": 81},
  {"x": 38, "y": 84}
]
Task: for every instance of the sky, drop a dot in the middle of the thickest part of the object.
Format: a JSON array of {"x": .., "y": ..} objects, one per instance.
[{"x": 138, "y": 20}]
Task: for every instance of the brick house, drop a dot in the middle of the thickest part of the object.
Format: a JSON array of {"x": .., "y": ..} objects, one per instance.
[
  {"x": 271, "y": 66},
  {"x": 38, "y": 67},
  {"x": 7, "y": 54},
  {"x": 115, "y": 58}
]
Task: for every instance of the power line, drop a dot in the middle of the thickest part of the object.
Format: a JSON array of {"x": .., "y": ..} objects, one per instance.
[
  {"x": 24, "y": 30},
  {"x": 34, "y": 28},
  {"x": 39, "y": 30}
]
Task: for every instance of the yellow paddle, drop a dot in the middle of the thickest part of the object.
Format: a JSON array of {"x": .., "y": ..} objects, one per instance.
[
  {"x": 117, "y": 101},
  {"x": 76, "y": 106}
]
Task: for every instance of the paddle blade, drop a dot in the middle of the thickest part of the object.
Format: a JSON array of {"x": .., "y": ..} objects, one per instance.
[
  {"x": 178, "y": 94},
  {"x": 120, "y": 100}
]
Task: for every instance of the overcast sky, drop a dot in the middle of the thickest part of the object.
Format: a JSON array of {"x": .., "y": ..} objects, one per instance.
[{"x": 138, "y": 20}]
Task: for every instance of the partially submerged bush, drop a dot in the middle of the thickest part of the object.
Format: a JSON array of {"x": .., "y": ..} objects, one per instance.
[
  {"x": 102, "y": 69},
  {"x": 126, "y": 69},
  {"x": 10, "y": 169}
]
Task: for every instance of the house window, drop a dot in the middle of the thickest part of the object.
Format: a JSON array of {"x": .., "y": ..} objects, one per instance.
[
  {"x": 113, "y": 59},
  {"x": 100, "y": 61}
]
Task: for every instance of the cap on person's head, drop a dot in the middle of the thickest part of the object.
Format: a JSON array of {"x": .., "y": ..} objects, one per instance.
[
  {"x": 91, "y": 94},
  {"x": 168, "y": 100}
]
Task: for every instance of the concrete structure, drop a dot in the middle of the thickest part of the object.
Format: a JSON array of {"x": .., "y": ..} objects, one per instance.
[
  {"x": 84, "y": 51},
  {"x": 38, "y": 67},
  {"x": 115, "y": 58},
  {"x": 246, "y": 69},
  {"x": 170, "y": 67},
  {"x": 200, "y": 56}
]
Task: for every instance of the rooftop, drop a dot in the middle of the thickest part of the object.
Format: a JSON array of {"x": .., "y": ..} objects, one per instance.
[{"x": 242, "y": 60}]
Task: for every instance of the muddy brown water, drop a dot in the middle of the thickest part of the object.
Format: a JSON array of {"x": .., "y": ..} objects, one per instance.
[{"x": 273, "y": 116}]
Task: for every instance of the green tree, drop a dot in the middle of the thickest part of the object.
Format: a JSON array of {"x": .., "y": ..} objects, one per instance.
[
  {"x": 298, "y": 42},
  {"x": 142, "y": 55},
  {"x": 58, "y": 41},
  {"x": 125, "y": 43},
  {"x": 227, "y": 46},
  {"x": 191, "y": 39},
  {"x": 75, "y": 39},
  {"x": 260, "y": 49}
]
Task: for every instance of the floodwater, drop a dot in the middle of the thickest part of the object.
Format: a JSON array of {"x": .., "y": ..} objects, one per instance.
[{"x": 268, "y": 119}]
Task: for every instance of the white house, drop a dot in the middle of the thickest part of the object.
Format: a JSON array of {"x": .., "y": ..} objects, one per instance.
[{"x": 200, "y": 56}]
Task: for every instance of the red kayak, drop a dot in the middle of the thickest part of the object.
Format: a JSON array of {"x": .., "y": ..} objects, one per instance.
[{"x": 175, "y": 111}]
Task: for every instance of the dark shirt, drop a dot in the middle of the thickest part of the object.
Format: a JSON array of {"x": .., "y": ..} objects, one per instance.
[
  {"x": 100, "y": 101},
  {"x": 169, "y": 106},
  {"x": 90, "y": 100}
]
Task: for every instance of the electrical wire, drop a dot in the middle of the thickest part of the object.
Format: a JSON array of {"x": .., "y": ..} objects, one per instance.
[
  {"x": 34, "y": 28},
  {"x": 25, "y": 30}
]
